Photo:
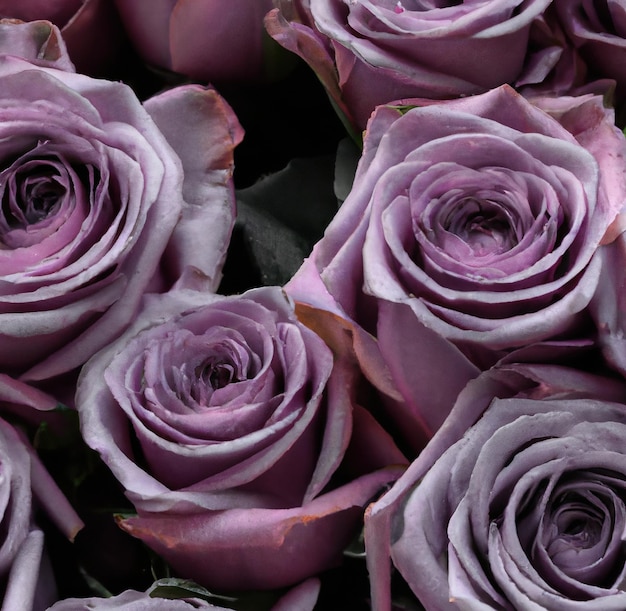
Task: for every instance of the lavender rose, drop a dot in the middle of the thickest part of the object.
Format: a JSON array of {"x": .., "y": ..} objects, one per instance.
[
  {"x": 225, "y": 419},
  {"x": 524, "y": 510},
  {"x": 102, "y": 199},
  {"x": 476, "y": 221},
  {"x": 598, "y": 29},
  {"x": 204, "y": 39},
  {"x": 369, "y": 52}
]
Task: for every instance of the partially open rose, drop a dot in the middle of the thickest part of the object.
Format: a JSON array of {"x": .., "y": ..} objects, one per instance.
[
  {"x": 227, "y": 423},
  {"x": 370, "y": 52},
  {"x": 525, "y": 510}
]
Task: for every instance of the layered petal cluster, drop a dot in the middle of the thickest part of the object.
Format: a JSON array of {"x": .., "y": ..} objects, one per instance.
[
  {"x": 225, "y": 419},
  {"x": 472, "y": 222},
  {"x": 598, "y": 29},
  {"x": 369, "y": 52},
  {"x": 101, "y": 198},
  {"x": 524, "y": 510},
  {"x": 207, "y": 40}
]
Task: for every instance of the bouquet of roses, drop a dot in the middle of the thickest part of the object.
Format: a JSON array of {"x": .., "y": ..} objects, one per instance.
[{"x": 313, "y": 304}]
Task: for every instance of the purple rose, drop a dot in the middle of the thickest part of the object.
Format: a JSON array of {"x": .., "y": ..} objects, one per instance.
[
  {"x": 103, "y": 199},
  {"x": 471, "y": 228},
  {"x": 598, "y": 29},
  {"x": 91, "y": 28},
  {"x": 225, "y": 420},
  {"x": 204, "y": 39},
  {"x": 526, "y": 509},
  {"x": 370, "y": 52}
]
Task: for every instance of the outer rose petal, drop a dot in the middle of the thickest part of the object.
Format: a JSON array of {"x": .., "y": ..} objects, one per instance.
[
  {"x": 260, "y": 548},
  {"x": 186, "y": 116}
]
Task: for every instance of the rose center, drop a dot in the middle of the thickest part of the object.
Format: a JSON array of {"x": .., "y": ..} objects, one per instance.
[
  {"x": 30, "y": 200},
  {"x": 217, "y": 374},
  {"x": 482, "y": 226}
]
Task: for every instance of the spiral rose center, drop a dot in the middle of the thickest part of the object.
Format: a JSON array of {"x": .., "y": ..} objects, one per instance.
[
  {"x": 33, "y": 195},
  {"x": 482, "y": 226},
  {"x": 578, "y": 527},
  {"x": 217, "y": 374},
  {"x": 580, "y": 533}
]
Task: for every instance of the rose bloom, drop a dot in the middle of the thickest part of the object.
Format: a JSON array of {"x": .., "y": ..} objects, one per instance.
[
  {"x": 207, "y": 40},
  {"x": 369, "y": 52},
  {"x": 526, "y": 509},
  {"x": 91, "y": 29},
  {"x": 102, "y": 199},
  {"x": 598, "y": 29},
  {"x": 471, "y": 228},
  {"x": 225, "y": 419}
]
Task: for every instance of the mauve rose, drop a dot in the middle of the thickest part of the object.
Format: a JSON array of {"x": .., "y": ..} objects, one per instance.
[
  {"x": 102, "y": 199},
  {"x": 224, "y": 419},
  {"x": 471, "y": 228},
  {"x": 91, "y": 29},
  {"x": 524, "y": 510},
  {"x": 208, "y": 40},
  {"x": 369, "y": 52},
  {"x": 598, "y": 29}
]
